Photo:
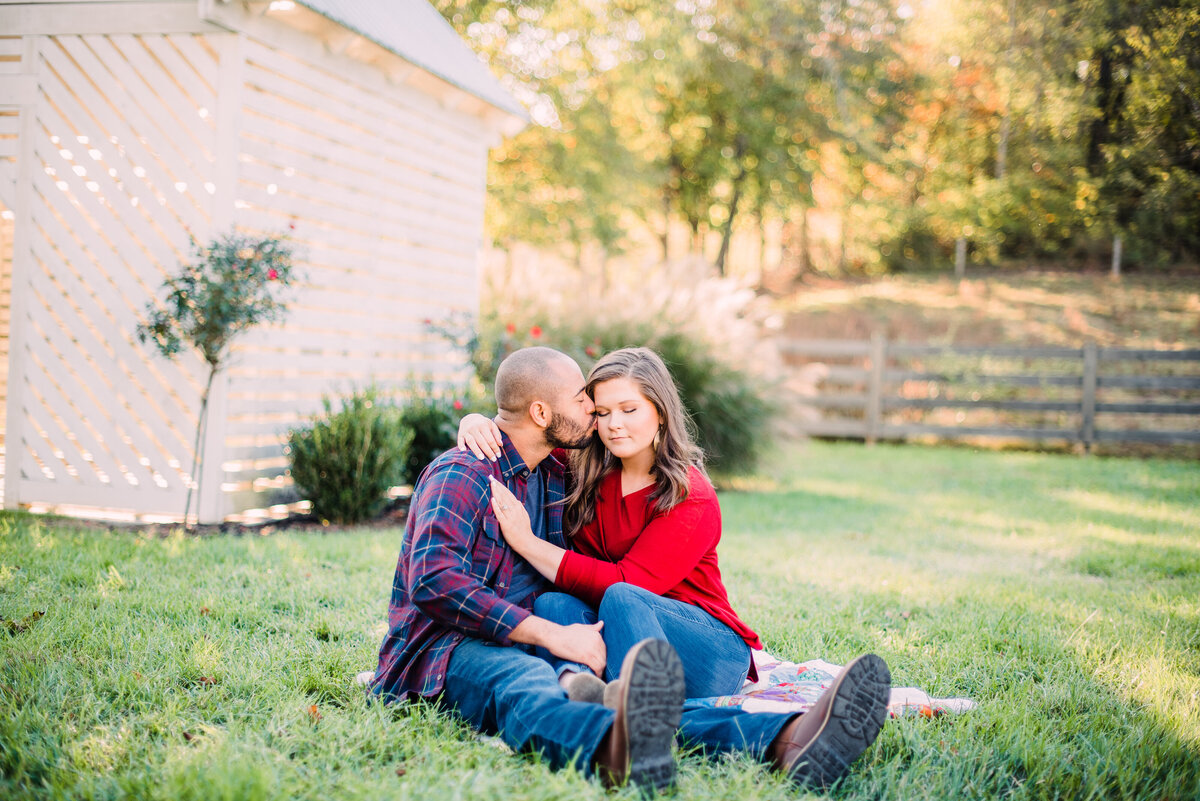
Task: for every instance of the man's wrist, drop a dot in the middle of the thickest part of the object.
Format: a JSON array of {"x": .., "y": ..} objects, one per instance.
[{"x": 534, "y": 630}]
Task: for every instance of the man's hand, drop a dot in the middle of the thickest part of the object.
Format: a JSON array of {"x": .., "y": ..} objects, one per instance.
[
  {"x": 583, "y": 643},
  {"x": 578, "y": 642}
]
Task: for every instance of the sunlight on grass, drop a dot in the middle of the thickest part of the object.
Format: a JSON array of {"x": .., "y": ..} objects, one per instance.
[
  {"x": 1153, "y": 512},
  {"x": 1063, "y": 594}
]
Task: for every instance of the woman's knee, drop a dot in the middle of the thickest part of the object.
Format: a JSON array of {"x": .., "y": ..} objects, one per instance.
[
  {"x": 622, "y": 596},
  {"x": 552, "y": 605}
]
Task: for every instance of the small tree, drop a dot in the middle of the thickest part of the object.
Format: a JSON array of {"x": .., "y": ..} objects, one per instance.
[{"x": 231, "y": 285}]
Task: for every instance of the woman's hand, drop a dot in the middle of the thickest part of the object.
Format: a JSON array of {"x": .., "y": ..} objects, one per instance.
[
  {"x": 545, "y": 557},
  {"x": 512, "y": 517},
  {"x": 481, "y": 435}
]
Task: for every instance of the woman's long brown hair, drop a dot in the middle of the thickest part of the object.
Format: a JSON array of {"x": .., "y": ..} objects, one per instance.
[{"x": 676, "y": 453}]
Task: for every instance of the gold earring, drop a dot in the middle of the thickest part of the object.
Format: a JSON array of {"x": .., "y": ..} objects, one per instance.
[{"x": 657, "y": 439}]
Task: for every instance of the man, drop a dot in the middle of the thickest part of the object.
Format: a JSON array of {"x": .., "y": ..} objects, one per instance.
[
  {"x": 461, "y": 599},
  {"x": 459, "y": 590}
]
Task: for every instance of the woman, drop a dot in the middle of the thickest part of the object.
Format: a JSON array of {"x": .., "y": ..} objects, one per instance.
[{"x": 644, "y": 524}]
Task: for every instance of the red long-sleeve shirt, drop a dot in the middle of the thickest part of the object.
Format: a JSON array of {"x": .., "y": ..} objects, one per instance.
[{"x": 672, "y": 554}]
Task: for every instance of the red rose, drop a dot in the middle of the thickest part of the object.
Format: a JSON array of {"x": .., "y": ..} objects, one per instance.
[
  {"x": 272, "y": 274},
  {"x": 511, "y": 328},
  {"x": 536, "y": 331},
  {"x": 458, "y": 406}
]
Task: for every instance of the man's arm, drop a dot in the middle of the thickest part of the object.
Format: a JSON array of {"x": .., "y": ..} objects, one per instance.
[
  {"x": 446, "y": 513},
  {"x": 576, "y": 643}
]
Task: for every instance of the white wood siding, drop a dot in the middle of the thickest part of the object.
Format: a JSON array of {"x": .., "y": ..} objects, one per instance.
[{"x": 385, "y": 190}]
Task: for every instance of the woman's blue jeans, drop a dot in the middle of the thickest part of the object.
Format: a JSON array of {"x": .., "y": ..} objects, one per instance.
[{"x": 715, "y": 659}]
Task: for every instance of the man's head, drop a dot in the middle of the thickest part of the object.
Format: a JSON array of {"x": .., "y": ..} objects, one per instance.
[{"x": 544, "y": 387}]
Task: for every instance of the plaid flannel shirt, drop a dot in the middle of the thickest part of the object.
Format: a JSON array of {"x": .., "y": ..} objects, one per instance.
[{"x": 455, "y": 569}]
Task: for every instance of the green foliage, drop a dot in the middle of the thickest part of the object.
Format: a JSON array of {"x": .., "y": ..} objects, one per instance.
[
  {"x": 233, "y": 283},
  {"x": 432, "y": 418},
  {"x": 731, "y": 414},
  {"x": 1036, "y": 130},
  {"x": 345, "y": 461}
]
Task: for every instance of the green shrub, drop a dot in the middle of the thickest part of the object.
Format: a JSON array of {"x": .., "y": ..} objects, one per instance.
[
  {"x": 345, "y": 461},
  {"x": 730, "y": 408},
  {"x": 432, "y": 417}
]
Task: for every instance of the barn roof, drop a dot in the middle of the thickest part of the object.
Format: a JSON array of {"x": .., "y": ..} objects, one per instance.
[{"x": 415, "y": 31}]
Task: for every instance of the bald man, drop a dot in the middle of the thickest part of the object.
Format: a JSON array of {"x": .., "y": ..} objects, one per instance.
[{"x": 461, "y": 629}]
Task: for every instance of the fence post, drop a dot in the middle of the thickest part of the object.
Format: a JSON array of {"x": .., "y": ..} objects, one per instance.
[
  {"x": 20, "y": 325},
  {"x": 1087, "y": 429},
  {"x": 960, "y": 257},
  {"x": 875, "y": 385},
  {"x": 1116, "y": 259}
]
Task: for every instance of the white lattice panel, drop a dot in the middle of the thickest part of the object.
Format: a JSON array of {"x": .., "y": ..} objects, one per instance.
[
  {"x": 122, "y": 149},
  {"x": 140, "y": 141}
]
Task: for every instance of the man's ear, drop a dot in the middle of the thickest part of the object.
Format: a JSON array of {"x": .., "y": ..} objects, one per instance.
[{"x": 539, "y": 412}]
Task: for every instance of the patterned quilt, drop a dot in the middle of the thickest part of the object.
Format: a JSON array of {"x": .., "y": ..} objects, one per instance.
[{"x": 795, "y": 687}]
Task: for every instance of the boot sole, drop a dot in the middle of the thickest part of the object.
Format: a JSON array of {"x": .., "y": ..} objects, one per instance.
[
  {"x": 654, "y": 692},
  {"x": 851, "y": 723}
]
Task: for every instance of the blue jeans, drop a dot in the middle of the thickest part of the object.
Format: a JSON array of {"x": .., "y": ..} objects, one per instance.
[
  {"x": 715, "y": 659},
  {"x": 504, "y": 691}
]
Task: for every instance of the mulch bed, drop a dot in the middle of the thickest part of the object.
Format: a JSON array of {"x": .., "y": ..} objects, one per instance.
[{"x": 393, "y": 516}]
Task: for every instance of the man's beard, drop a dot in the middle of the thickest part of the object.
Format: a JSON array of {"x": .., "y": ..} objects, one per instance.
[{"x": 562, "y": 433}]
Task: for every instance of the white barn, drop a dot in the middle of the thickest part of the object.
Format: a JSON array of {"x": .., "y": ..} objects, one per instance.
[{"x": 360, "y": 127}]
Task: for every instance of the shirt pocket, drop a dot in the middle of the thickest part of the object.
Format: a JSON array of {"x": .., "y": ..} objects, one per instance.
[
  {"x": 487, "y": 551},
  {"x": 491, "y": 530}
]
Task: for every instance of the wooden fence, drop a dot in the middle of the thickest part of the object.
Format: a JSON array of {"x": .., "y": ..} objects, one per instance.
[{"x": 886, "y": 390}]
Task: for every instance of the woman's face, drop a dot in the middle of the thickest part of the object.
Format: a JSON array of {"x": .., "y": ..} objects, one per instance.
[{"x": 625, "y": 418}]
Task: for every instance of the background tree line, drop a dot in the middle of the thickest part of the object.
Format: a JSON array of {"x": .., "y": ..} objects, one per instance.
[{"x": 1034, "y": 131}]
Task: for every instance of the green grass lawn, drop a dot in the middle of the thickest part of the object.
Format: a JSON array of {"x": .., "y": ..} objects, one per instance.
[{"x": 1062, "y": 593}]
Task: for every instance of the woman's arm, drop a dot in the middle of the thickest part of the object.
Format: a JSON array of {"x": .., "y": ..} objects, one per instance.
[
  {"x": 514, "y": 525},
  {"x": 481, "y": 435},
  {"x": 665, "y": 552}
]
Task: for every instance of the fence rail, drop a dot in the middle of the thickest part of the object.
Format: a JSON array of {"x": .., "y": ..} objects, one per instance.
[{"x": 882, "y": 390}]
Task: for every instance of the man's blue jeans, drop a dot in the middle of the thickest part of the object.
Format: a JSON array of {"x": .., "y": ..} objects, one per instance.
[
  {"x": 504, "y": 691},
  {"x": 715, "y": 659},
  {"x": 507, "y": 692}
]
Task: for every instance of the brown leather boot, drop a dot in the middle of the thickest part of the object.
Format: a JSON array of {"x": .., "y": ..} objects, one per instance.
[
  {"x": 817, "y": 748},
  {"x": 649, "y": 705}
]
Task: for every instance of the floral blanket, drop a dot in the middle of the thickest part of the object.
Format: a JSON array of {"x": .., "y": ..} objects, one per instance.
[{"x": 795, "y": 687}]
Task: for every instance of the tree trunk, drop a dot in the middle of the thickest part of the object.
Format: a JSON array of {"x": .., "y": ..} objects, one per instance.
[
  {"x": 697, "y": 246},
  {"x": 1006, "y": 120},
  {"x": 805, "y": 264},
  {"x": 666, "y": 230},
  {"x": 843, "y": 228},
  {"x": 197, "y": 447},
  {"x": 762, "y": 247},
  {"x": 727, "y": 230}
]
